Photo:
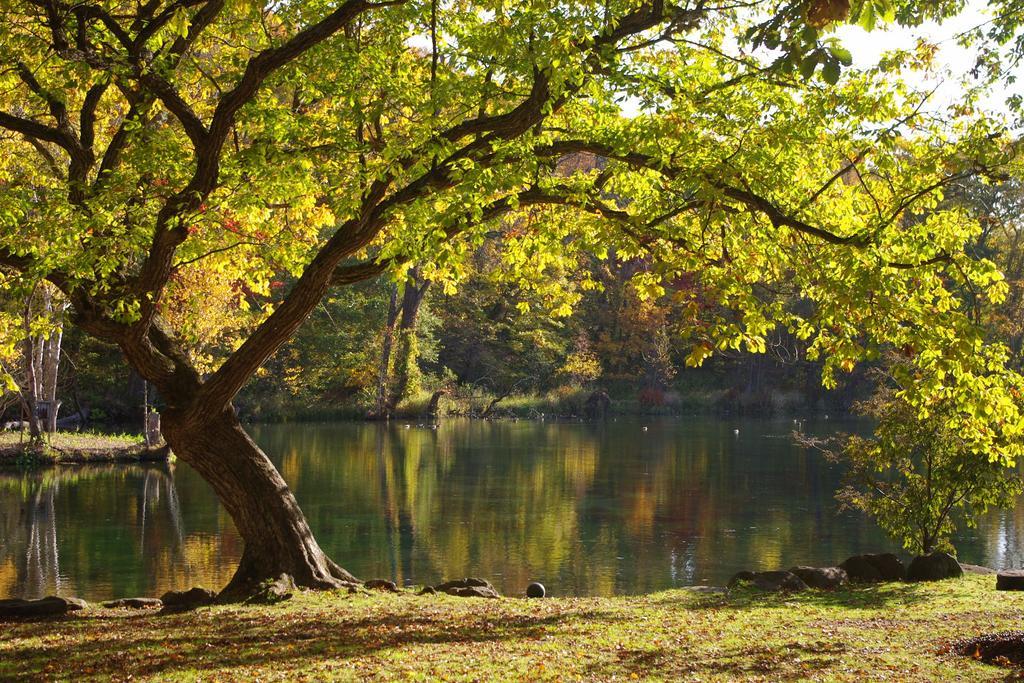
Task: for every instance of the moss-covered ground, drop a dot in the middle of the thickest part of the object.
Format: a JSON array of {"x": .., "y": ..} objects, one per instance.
[
  {"x": 74, "y": 447},
  {"x": 897, "y": 632}
]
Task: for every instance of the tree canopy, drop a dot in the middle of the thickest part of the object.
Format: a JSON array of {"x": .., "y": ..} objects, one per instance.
[{"x": 175, "y": 161}]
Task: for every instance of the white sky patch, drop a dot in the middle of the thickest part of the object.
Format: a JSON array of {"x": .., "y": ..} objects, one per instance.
[
  {"x": 952, "y": 65},
  {"x": 953, "y": 62}
]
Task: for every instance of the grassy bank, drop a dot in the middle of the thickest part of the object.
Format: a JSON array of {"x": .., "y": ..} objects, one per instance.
[
  {"x": 892, "y": 632},
  {"x": 75, "y": 447},
  {"x": 555, "y": 404}
]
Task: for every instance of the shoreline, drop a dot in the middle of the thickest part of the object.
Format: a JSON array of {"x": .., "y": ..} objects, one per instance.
[
  {"x": 861, "y": 632},
  {"x": 71, "y": 448}
]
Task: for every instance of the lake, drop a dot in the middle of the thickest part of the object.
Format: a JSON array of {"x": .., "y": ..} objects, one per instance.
[{"x": 625, "y": 506}]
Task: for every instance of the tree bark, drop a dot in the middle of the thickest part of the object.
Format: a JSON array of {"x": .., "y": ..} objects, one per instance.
[
  {"x": 407, "y": 353},
  {"x": 32, "y": 389},
  {"x": 400, "y": 331},
  {"x": 277, "y": 537},
  {"x": 382, "y": 409}
]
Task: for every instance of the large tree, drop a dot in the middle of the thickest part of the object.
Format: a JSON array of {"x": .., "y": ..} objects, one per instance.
[{"x": 145, "y": 142}]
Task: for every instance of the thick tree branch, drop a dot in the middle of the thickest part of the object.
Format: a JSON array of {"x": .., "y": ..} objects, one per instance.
[
  {"x": 169, "y": 232},
  {"x": 358, "y": 232}
]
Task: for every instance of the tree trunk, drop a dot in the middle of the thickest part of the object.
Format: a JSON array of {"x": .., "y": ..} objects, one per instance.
[
  {"x": 396, "y": 364},
  {"x": 31, "y": 393},
  {"x": 267, "y": 516},
  {"x": 382, "y": 410},
  {"x": 407, "y": 353}
]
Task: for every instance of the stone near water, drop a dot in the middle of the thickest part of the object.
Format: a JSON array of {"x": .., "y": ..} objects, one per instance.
[
  {"x": 873, "y": 568},
  {"x": 858, "y": 569},
  {"x": 179, "y": 601},
  {"x": 468, "y": 588},
  {"x": 822, "y": 578},
  {"x": 49, "y": 606},
  {"x": 133, "y": 603},
  {"x": 976, "y": 569},
  {"x": 382, "y": 585},
  {"x": 769, "y": 581},
  {"x": 935, "y": 566},
  {"x": 1010, "y": 580},
  {"x": 535, "y": 590}
]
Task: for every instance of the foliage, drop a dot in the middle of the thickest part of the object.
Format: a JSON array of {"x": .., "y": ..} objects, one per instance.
[
  {"x": 152, "y": 149},
  {"x": 582, "y": 365},
  {"x": 918, "y": 477}
]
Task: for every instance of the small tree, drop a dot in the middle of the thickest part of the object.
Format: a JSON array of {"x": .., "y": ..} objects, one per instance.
[{"x": 917, "y": 477}]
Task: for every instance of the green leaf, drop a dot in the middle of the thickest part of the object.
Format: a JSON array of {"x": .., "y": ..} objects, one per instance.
[{"x": 830, "y": 72}]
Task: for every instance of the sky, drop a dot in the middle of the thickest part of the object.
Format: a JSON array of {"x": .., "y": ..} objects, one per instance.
[{"x": 868, "y": 47}]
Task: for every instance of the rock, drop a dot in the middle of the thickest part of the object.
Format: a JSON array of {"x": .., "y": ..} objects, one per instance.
[
  {"x": 976, "y": 569},
  {"x": 49, "y": 606},
  {"x": 473, "y": 592},
  {"x": 874, "y": 568},
  {"x": 822, "y": 578},
  {"x": 382, "y": 585},
  {"x": 1010, "y": 580},
  {"x": 934, "y": 567},
  {"x": 535, "y": 590},
  {"x": 273, "y": 591},
  {"x": 134, "y": 603},
  {"x": 427, "y": 590},
  {"x": 468, "y": 588},
  {"x": 179, "y": 601},
  {"x": 707, "y": 590},
  {"x": 858, "y": 569},
  {"x": 770, "y": 581},
  {"x": 739, "y": 577},
  {"x": 889, "y": 566}
]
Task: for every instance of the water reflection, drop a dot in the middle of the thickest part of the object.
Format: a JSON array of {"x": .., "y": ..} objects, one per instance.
[
  {"x": 98, "y": 531},
  {"x": 590, "y": 509}
]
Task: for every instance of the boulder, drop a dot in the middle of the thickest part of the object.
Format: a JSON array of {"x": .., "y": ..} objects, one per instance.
[
  {"x": 823, "y": 578},
  {"x": 740, "y": 577},
  {"x": 770, "y": 581},
  {"x": 1010, "y": 580},
  {"x": 535, "y": 590},
  {"x": 473, "y": 592},
  {"x": 134, "y": 603},
  {"x": 49, "y": 606},
  {"x": 427, "y": 590},
  {"x": 976, "y": 569},
  {"x": 934, "y": 566},
  {"x": 382, "y": 585},
  {"x": 874, "y": 568},
  {"x": 468, "y": 588},
  {"x": 179, "y": 601},
  {"x": 858, "y": 569}
]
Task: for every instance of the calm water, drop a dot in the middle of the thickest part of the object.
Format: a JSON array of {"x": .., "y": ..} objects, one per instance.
[{"x": 588, "y": 509}]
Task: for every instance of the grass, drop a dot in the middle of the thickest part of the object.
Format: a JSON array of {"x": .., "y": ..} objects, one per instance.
[
  {"x": 71, "y": 447},
  {"x": 892, "y": 632}
]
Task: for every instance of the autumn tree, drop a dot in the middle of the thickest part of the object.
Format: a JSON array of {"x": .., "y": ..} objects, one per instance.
[{"x": 333, "y": 141}]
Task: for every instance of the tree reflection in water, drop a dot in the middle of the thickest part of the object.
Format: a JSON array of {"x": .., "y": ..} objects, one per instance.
[
  {"x": 587, "y": 509},
  {"x": 71, "y": 529}
]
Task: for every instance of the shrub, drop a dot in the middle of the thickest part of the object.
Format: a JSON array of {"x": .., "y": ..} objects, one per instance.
[{"x": 917, "y": 478}]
